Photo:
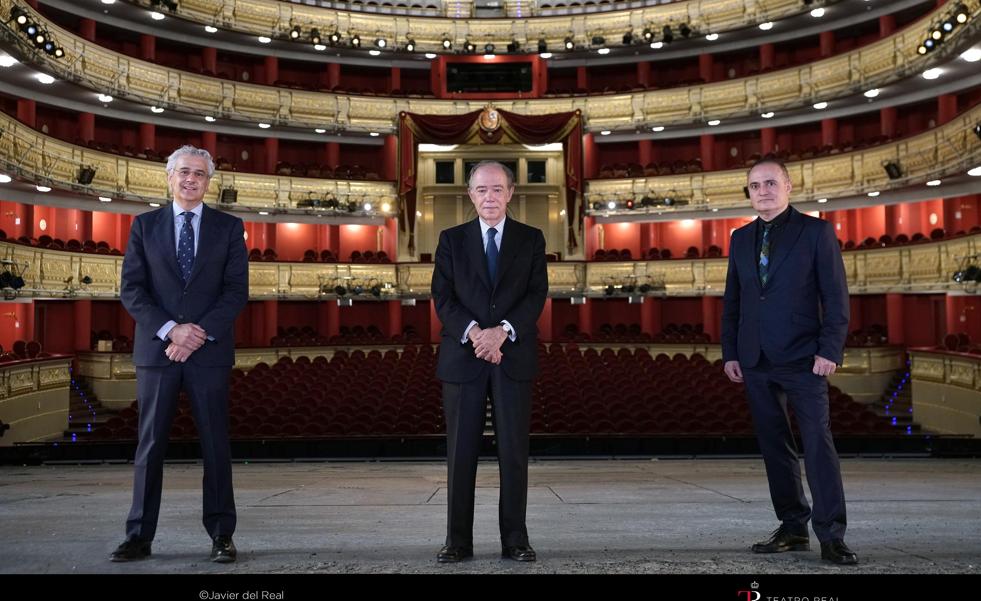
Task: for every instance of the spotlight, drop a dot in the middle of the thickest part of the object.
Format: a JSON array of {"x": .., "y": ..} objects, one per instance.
[
  {"x": 977, "y": 129},
  {"x": 597, "y": 205},
  {"x": 598, "y": 40},
  {"x": 569, "y": 43},
  {"x": 59, "y": 52},
  {"x": 513, "y": 46},
  {"x": 315, "y": 36},
  {"x": 542, "y": 45},
  {"x": 667, "y": 35},
  {"x": 410, "y": 46},
  {"x": 447, "y": 44},
  {"x": 893, "y": 170},
  {"x": 352, "y": 206},
  {"x": 488, "y": 48},
  {"x": 49, "y": 47},
  {"x": 228, "y": 196},
  {"x": 947, "y": 26},
  {"x": 295, "y": 32},
  {"x": 18, "y": 15},
  {"x": 469, "y": 46},
  {"x": 381, "y": 42},
  {"x": 929, "y": 44},
  {"x": 334, "y": 37},
  {"x": 356, "y": 41},
  {"x": 684, "y": 30},
  {"x": 648, "y": 34},
  {"x": 960, "y": 14},
  {"x": 630, "y": 204},
  {"x": 628, "y": 38},
  {"x": 85, "y": 175}
]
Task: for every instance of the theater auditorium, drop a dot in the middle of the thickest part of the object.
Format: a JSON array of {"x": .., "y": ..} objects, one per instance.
[{"x": 343, "y": 134}]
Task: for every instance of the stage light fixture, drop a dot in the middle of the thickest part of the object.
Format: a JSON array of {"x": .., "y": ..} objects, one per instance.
[
  {"x": 628, "y": 38},
  {"x": 410, "y": 46},
  {"x": 447, "y": 44},
  {"x": 542, "y": 45},
  {"x": 893, "y": 170},
  {"x": 295, "y": 32},
  {"x": 356, "y": 41},
  {"x": 469, "y": 46},
  {"x": 684, "y": 30},
  {"x": 315, "y": 36},
  {"x": 86, "y": 174},
  {"x": 381, "y": 42},
  {"x": 666, "y": 34},
  {"x": 569, "y": 43},
  {"x": 648, "y": 34},
  {"x": 334, "y": 37}
]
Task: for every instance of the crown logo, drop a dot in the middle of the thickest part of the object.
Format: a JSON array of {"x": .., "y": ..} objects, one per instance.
[{"x": 754, "y": 585}]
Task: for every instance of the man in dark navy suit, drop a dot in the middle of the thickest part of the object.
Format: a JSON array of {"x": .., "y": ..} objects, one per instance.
[
  {"x": 489, "y": 287},
  {"x": 784, "y": 324},
  {"x": 185, "y": 278}
]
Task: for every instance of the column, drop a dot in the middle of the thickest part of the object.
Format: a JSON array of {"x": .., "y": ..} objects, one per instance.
[
  {"x": 644, "y": 73},
  {"x": 270, "y": 320},
  {"x": 394, "y": 318},
  {"x": 650, "y": 316},
  {"x": 148, "y": 47},
  {"x": 946, "y": 108},
  {"x": 272, "y": 154},
  {"x": 86, "y": 126},
  {"x": 710, "y": 317},
  {"x": 644, "y": 151},
  {"x": 435, "y": 325},
  {"x": 82, "y": 309},
  {"x": 582, "y": 78},
  {"x": 768, "y": 140},
  {"x": 333, "y": 154},
  {"x": 545, "y": 323},
  {"x": 887, "y": 121},
  {"x": 271, "y": 70},
  {"x": 829, "y": 132},
  {"x": 894, "y": 319},
  {"x": 395, "y": 80},
  {"x": 209, "y": 141},
  {"x": 586, "y": 317},
  {"x": 705, "y": 65},
  {"x": 148, "y": 136},
  {"x": 27, "y": 112},
  {"x": 86, "y": 29},
  {"x": 767, "y": 56},
  {"x": 209, "y": 59},
  {"x": 707, "y": 143},
  {"x": 827, "y": 40}
]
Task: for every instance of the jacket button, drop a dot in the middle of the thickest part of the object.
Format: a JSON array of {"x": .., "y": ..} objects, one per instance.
[
  {"x": 763, "y": 298},
  {"x": 180, "y": 317}
]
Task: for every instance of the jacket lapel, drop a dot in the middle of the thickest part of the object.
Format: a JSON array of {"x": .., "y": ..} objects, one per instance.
[
  {"x": 509, "y": 248},
  {"x": 205, "y": 236},
  {"x": 747, "y": 255},
  {"x": 165, "y": 235},
  {"x": 475, "y": 251},
  {"x": 788, "y": 238}
]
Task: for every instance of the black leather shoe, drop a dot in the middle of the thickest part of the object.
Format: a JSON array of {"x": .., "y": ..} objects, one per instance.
[
  {"x": 132, "y": 549},
  {"x": 223, "y": 550},
  {"x": 450, "y": 554},
  {"x": 836, "y": 551},
  {"x": 784, "y": 538},
  {"x": 518, "y": 553}
]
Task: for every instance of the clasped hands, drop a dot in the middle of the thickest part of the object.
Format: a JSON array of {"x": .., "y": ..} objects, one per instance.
[
  {"x": 185, "y": 338},
  {"x": 487, "y": 343}
]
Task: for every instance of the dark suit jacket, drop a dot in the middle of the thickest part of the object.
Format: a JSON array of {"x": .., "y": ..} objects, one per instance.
[
  {"x": 154, "y": 293},
  {"x": 802, "y": 311},
  {"x": 463, "y": 292}
]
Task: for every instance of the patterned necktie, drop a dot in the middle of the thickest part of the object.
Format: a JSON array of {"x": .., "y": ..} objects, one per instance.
[
  {"x": 765, "y": 254},
  {"x": 491, "y": 253},
  {"x": 185, "y": 247}
]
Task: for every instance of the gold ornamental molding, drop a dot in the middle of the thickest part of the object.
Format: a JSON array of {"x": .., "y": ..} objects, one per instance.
[
  {"x": 44, "y": 159},
  {"x": 113, "y": 73},
  {"x": 912, "y": 268},
  {"x": 274, "y": 18},
  {"x": 946, "y": 391},
  {"x": 949, "y": 148}
]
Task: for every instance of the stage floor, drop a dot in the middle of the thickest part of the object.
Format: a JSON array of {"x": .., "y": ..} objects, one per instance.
[{"x": 906, "y": 515}]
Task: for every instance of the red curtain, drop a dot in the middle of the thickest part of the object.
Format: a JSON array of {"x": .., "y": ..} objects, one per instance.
[{"x": 465, "y": 129}]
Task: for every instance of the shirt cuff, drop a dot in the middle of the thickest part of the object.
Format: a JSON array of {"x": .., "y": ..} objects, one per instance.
[
  {"x": 466, "y": 333},
  {"x": 164, "y": 331},
  {"x": 514, "y": 333}
]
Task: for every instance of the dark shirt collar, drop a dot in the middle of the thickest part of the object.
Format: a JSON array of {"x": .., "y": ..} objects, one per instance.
[{"x": 777, "y": 221}]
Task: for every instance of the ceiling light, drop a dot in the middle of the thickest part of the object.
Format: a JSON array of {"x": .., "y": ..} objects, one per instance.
[
  {"x": 820, "y": 106},
  {"x": 822, "y": 200},
  {"x": 933, "y": 73},
  {"x": 356, "y": 41},
  {"x": 4, "y": 178},
  {"x": 972, "y": 55},
  {"x": 156, "y": 16},
  {"x": 209, "y": 118},
  {"x": 41, "y": 188},
  {"x": 611, "y": 205},
  {"x": 105, "y": 199},
  {"x": 933, "y": 182},
  {"x": 768, "y": 115},
  {"x": 605, "y": 132},
  {"x": 657, "y": 45},
  {"x": 295, "y": 32},
  {"x": 264, "y": 126},
  {"x": 410, "y": 45},
  {"x": 373, "y": 134},
  {"x": 657, "y": 128},
  {"x": 367, "y": 206},
  {"x": 447, "y": 44},
  {"x": 430, "y": 55},
  {"x": 105, "y": 98},
  {"x": 817, "y": 13},
  {"x": 155, "y": 205},
  {"x": 156, "y": 109},
  {"x": 873, "y": 194},
  {"x": 603, "y": 50},
  {"x": 381, "y": 42},
  {"x": 211, "y": 29},
  {"x": 8, "y": 61},
  {"x": 546, "y": 55},
  {"x": 45, "y": 78},
  {"x": 872, "y": 93},
  {"x": 712, "y": 37},
  {"x": 766, "y": 26},
  {"x": 263, "y": 212},
  {"x": 374, "y": 52},
  {"x": 320, "y": 130},
  {"x": 976, "y": 172},
  {"x": 569, "y": 43},
  {"x": 319, "y": 47},
  {"x": 714, "y": 122},
  {"x": 264, "y": 39}
]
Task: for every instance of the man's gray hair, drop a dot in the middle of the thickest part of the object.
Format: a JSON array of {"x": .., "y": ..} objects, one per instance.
[
  {"x": 188, "y": 150},
  {"x": 507, "y": 171}
]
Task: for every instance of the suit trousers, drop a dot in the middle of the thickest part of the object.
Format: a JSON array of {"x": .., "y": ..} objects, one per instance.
[
  {"x": 465, "y": 408},
  {"x": 769, "y": 388},
  {"x": 157, "y": 390}
]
